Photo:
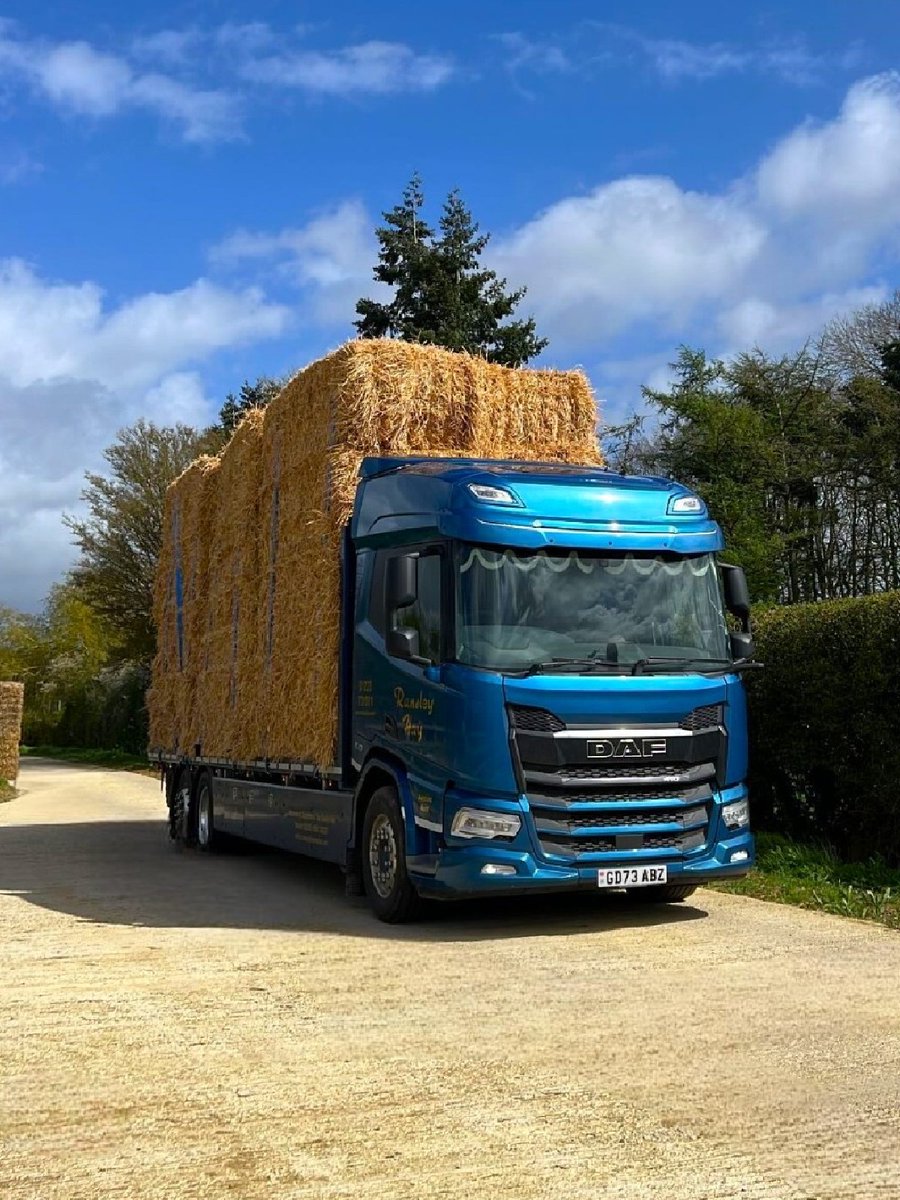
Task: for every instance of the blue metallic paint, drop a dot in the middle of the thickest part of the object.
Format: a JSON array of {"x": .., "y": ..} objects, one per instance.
[{"x": 455, "y": 750}]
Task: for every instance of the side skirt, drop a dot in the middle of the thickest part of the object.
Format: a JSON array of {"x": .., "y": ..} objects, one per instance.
[{"x": 302, "y": 820}]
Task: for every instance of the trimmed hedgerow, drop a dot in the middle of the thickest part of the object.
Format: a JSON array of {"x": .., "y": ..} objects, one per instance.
[{"x": 825, "y": 724}]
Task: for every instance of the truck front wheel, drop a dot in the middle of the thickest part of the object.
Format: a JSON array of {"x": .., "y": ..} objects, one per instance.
[{"x": 391, "y": 895}]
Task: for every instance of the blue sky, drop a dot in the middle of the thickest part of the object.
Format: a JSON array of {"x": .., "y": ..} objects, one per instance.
[{"x": 189, "y": 191}]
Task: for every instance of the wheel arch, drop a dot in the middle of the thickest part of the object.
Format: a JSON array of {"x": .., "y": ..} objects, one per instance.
[{"x": 380, "y": 770}]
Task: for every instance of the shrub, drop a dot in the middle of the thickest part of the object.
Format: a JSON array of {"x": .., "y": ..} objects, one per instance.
[
  {"x": 105, "y": 711},
  {"x": 824, "y": 724}
]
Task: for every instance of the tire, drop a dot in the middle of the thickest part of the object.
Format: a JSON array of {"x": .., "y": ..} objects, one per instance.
[
  {"x": 391, "y": 895},
  {"x": 667, "y": 893},
  {"x": 206, "y": 838},
  {"x": 182, "y": 810}
]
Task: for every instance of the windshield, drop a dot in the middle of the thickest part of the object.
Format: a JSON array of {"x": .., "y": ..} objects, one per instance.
[{"x": 516, "y": 609}]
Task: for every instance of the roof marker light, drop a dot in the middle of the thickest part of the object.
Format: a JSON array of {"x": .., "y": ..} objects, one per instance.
[
  {"x": 686, "y": 504},
  {"x": 491, "y": 494}
]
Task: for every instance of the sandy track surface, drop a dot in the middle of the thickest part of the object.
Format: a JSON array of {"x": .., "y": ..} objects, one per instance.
[{"x": 175, "y": 1026}]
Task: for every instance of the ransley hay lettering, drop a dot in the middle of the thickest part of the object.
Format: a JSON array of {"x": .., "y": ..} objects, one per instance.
[{"x": 420, "y": 703}]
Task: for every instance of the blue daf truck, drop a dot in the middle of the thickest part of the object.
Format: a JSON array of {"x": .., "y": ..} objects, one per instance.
[{"x": 540, "y": 690}]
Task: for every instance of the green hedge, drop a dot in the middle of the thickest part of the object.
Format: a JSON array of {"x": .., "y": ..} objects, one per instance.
[
  {"x": 825, "y": 724},
  {"x": 107, "y": 711}
]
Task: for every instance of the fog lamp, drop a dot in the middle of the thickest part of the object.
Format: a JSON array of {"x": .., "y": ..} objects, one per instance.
[
  {"x": 476, "y": 823},
  {"x": 737, "y": 814},
  {"x": 739, "y": 856},
  {"x": 498, "y": 869}
]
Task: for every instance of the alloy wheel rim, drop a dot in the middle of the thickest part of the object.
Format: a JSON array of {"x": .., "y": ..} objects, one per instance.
[
  {"x": 383, "y": 856},
  {"x": 203, "y": 819}
]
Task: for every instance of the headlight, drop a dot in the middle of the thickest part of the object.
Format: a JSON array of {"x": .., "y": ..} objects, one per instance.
[
  {"x": 493, "y": 495},
  {"x": 736, "y": 815},
  {"x": 686, "y": 504},
  {"x": 477, "y": 823}
]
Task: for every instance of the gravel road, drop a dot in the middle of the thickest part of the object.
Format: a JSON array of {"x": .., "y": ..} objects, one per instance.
[{"x": 175, "y": 1026}]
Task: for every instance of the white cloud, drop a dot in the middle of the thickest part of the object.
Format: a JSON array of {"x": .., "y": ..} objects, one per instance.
[
  {"x": 542, "y": 56},
  {"x": 371, "y": 67},
  {"x": 79, "y": 79},
  {"x": 72, "y": 372},
  {"x": 760, "y": 322},
  {"x": 591, "y": 46},
  {"x": 845, "y": 170},
  {"x": 675, "y": 59},
  {"x": 331, "y": 256},
  {"x": 61, "y": 331},
  {"x": 173, "y": 47},
  {"x": 770, "y": 257},
  {"x": 179, "y": 398},
  {"x": 638, "y": 248},
  {"x": 75, "y": 75},
  {"x": 642, "y": 263}
]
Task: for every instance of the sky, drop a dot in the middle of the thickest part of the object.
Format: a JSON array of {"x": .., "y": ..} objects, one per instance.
[{"x": 189, "y": 193}]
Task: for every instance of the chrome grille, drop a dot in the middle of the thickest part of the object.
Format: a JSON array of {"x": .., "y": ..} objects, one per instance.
[
  {"x": 654, "y": 771},
  {"x": 631, "y": 818},
  {"x": 672, "y": 820},
  {"x": 565, "y": 799},
  {"x": 674, "y": 843}
]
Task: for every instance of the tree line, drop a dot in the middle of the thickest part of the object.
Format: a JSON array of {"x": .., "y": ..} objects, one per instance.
[{"x": 797, "y": 455}]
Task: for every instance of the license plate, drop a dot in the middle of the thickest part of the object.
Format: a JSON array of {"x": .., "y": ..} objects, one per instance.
[{"x": 625, "y": 877}]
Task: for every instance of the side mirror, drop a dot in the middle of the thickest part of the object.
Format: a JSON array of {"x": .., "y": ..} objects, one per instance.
[
  {"x": 742, "y": 647},
  {"x": 402, "y": 584},
  {"x": 402, "y": 589},
  {"x": 737, "y": 594}
]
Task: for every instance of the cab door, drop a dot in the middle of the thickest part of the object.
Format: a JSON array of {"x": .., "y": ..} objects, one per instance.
[{"x": 403, "y": 704}]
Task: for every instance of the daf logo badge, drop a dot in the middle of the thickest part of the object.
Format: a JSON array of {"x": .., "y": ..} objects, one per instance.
[{"x": 627, "y": 748}]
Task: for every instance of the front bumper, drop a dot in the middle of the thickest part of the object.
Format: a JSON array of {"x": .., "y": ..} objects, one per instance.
[{"x": 455, "y": 873}]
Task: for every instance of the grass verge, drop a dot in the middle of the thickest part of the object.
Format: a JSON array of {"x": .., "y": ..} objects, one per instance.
[
  {"x": 116, "y": 759},
  {"x": 7, "y": 791},
  {"x": 813, "y": 877}
]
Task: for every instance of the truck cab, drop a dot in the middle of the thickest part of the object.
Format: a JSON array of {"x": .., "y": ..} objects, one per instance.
[{"x": 541, "y": 683}]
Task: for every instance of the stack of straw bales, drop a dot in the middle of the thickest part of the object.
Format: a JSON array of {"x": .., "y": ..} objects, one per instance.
[
  {"x": 11, "y": 698},
  {"x": 248, "y": 591}
]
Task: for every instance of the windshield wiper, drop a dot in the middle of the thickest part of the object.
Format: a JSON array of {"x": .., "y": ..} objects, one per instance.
[
  {"x": 714, "y": 663},
  {"x": 587, "y": 665}
]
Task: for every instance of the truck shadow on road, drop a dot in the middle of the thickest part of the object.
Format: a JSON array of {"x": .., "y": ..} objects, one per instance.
[{"x": 129, "y": 873}]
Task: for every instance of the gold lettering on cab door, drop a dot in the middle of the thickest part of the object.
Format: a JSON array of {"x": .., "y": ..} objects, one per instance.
[{"x": 421, "y": 704}]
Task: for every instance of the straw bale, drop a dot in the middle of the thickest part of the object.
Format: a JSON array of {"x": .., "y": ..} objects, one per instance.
[
  {"x": 11, "y": 701},
  {"x": 198, "y": 494},
  {"x": 272, "y": 514},
  {"x": 183, "y": 563},
  {"x": 227, "y": 684}
]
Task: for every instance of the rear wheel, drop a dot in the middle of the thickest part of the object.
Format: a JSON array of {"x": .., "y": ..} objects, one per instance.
[
  {"x": 391, "y": 895},
  {"x": 207, "y": 838},
  {"x": 667, "y": 893},
  {"x": 181, "y": 810}
]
